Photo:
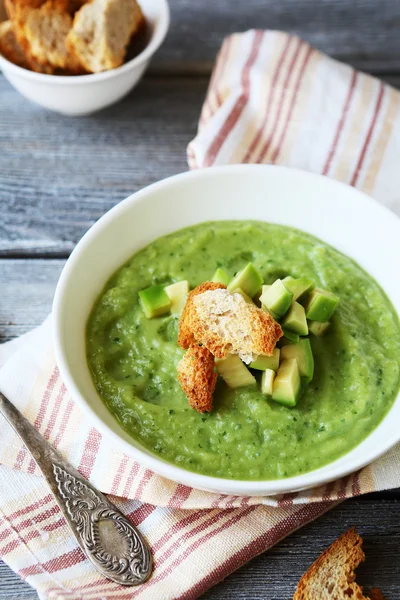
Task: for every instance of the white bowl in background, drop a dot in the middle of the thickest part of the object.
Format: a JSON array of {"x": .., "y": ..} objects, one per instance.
[
  {"x": 340, "y": 215},
  {"x": 85, "y": 94}
]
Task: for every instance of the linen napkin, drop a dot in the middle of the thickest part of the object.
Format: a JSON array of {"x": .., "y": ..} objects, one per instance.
[{"x": 272, "y": 98}]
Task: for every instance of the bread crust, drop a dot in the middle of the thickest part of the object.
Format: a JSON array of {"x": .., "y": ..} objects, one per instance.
[
  {"x": 9, "y": 46},
  {"x": 226, "y": 324},
  {"x": 37, "y": 25},
  {"x": 332, "y": 574},
  {"x": 90, "y": 36},
  {"x": 186, "y": 336},
  {"x": 197, "y": 377}
]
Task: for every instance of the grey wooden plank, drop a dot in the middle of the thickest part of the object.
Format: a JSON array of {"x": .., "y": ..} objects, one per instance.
[
  {"x": 361, "y": 32},
  {"x": 27, "y": 288},
  {"x": 12, "y": 587},
  {"x": 274, "y": 574},
  {"x": 58, "y": 175}
]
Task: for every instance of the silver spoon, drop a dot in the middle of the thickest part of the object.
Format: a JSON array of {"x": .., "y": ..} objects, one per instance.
[{"x": 114, "y": 546}]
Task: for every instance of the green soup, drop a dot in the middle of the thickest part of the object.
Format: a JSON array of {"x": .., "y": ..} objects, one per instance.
[{"x": 247, "y": 436}]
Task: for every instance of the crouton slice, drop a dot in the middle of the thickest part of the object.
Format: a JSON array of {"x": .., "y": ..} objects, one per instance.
[
  {"x": 226, "y": 324},
  {"x": 9, "y": 46},
  {"x": 186, "y": 337},
  {"x": 332, "y": 575},
  {"x": 376, "y": 594},
  {"x": 75, "y": 5},
  {"x": 197, "y": 377},
  {"x": 44, "y": 33},
  {"x": 101, "y": 32}
]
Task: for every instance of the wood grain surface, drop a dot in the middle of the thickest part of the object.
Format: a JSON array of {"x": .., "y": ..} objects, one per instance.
[
  {"x": 58, "y": 175},
  {"x": 361, "y": 32}
]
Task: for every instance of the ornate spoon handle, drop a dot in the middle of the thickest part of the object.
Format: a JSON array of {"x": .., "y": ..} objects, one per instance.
[{"x": 112, "y": 544}]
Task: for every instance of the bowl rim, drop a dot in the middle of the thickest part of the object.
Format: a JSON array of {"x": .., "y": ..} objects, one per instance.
[
  {"x": 155, "y": 42},
  {"x": 168, "y": 470}
]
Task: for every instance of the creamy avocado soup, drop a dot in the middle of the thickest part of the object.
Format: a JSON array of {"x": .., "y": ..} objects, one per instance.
[{"x": 247, "y": 435}]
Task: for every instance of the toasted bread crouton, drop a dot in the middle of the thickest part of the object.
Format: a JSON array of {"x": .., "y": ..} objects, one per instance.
[
  {"x": 197, "y": 377},
  {"x": 186, "y": 337},
  {"x": 376, "y": 594},
  {"x": 331, "y": 576},
  {"x": 43, "y": 31},
  {"x": 226, "y": 324},
  {"x": 101, "y": 33},
  {"x": 75, "y": 5},
  {"x": 9, "y": 46}
]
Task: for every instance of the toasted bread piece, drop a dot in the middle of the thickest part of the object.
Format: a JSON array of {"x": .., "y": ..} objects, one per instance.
[
  {"x": 45, "y": 30},
  {"x": 331, "y": 576},
  {"x": 376, "y": 594},
  {"x": 9, "y": 46},
  {"x": 75, "y": 5},
  {"x": 186, "y": 337},
  {"x": 226, "y": 324},
  {"x": 101, "y": 32},
  {"x": 197, "y": 377}
]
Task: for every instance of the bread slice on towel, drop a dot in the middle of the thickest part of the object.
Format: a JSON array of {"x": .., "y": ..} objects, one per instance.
[
  {"x": 101, "y": 32},
  {"x": 9, "y": 46},
  {"x": 332, "y": 577}
]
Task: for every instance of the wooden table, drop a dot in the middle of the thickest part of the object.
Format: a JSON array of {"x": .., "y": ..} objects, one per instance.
[{"x": 58, "y": 175}]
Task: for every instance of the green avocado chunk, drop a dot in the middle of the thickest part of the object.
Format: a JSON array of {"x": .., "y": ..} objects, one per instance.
[
  {"x": 245, "y": 297},
  {"x": 234, "y": 371},
  {"x": 295, "y": 319},
  {"x": 303, "y": 354},
  {"x": 177, "y": 293},
  {"x": 321, "y": 305},
  {"x": 248, "y": 279},
  {"x": 266, "y": 362},
  {"x": 289, "y": 337},
  {"x": 298, "y": 287},
  {"x": 287, "y": 384},
  {"x": 221, "y": 276},
  {"x": 155, "y": 301},
  {"x": 267, "y": 382},
  {"x": 317, "y": 328},
  {"x": 276, "y": 298}
]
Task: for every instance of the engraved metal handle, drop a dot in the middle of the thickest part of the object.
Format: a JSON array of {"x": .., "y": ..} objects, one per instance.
[{"x": 109, "y": 540}]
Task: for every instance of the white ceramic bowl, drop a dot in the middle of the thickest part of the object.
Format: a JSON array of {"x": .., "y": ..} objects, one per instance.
[
  {"x": 86, "y": 94},
  {"x": 340, "y": 215}
]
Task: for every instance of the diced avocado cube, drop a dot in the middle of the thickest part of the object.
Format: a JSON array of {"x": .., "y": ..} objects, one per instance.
[
  {"x": 317, "y": 328},
  {"x": 295, "y": 319},
  {"x": 276, "y": 298},
  {"x": 298, "y": 287},
  {"x": 290, "y": 336},
  {"x": 177, "y": 293},
  {"x": 244, "y": 296},
  {"x": 155, "y": 301},
  {"x": 303, "y": 354},
  {"x": 267, "y": 382},
  {"x": 234, "y": 372},
  {"x": 221, "y": 276},
  {"x": 321, "y": 305},
  {"x": 287, "y": 384},
  {"x": 248, "y": 279},
  {"x": 267, "y": 362}
]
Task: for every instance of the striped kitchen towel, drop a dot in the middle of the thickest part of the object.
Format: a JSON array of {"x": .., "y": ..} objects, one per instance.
[{"x": 272, "y": 98}]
